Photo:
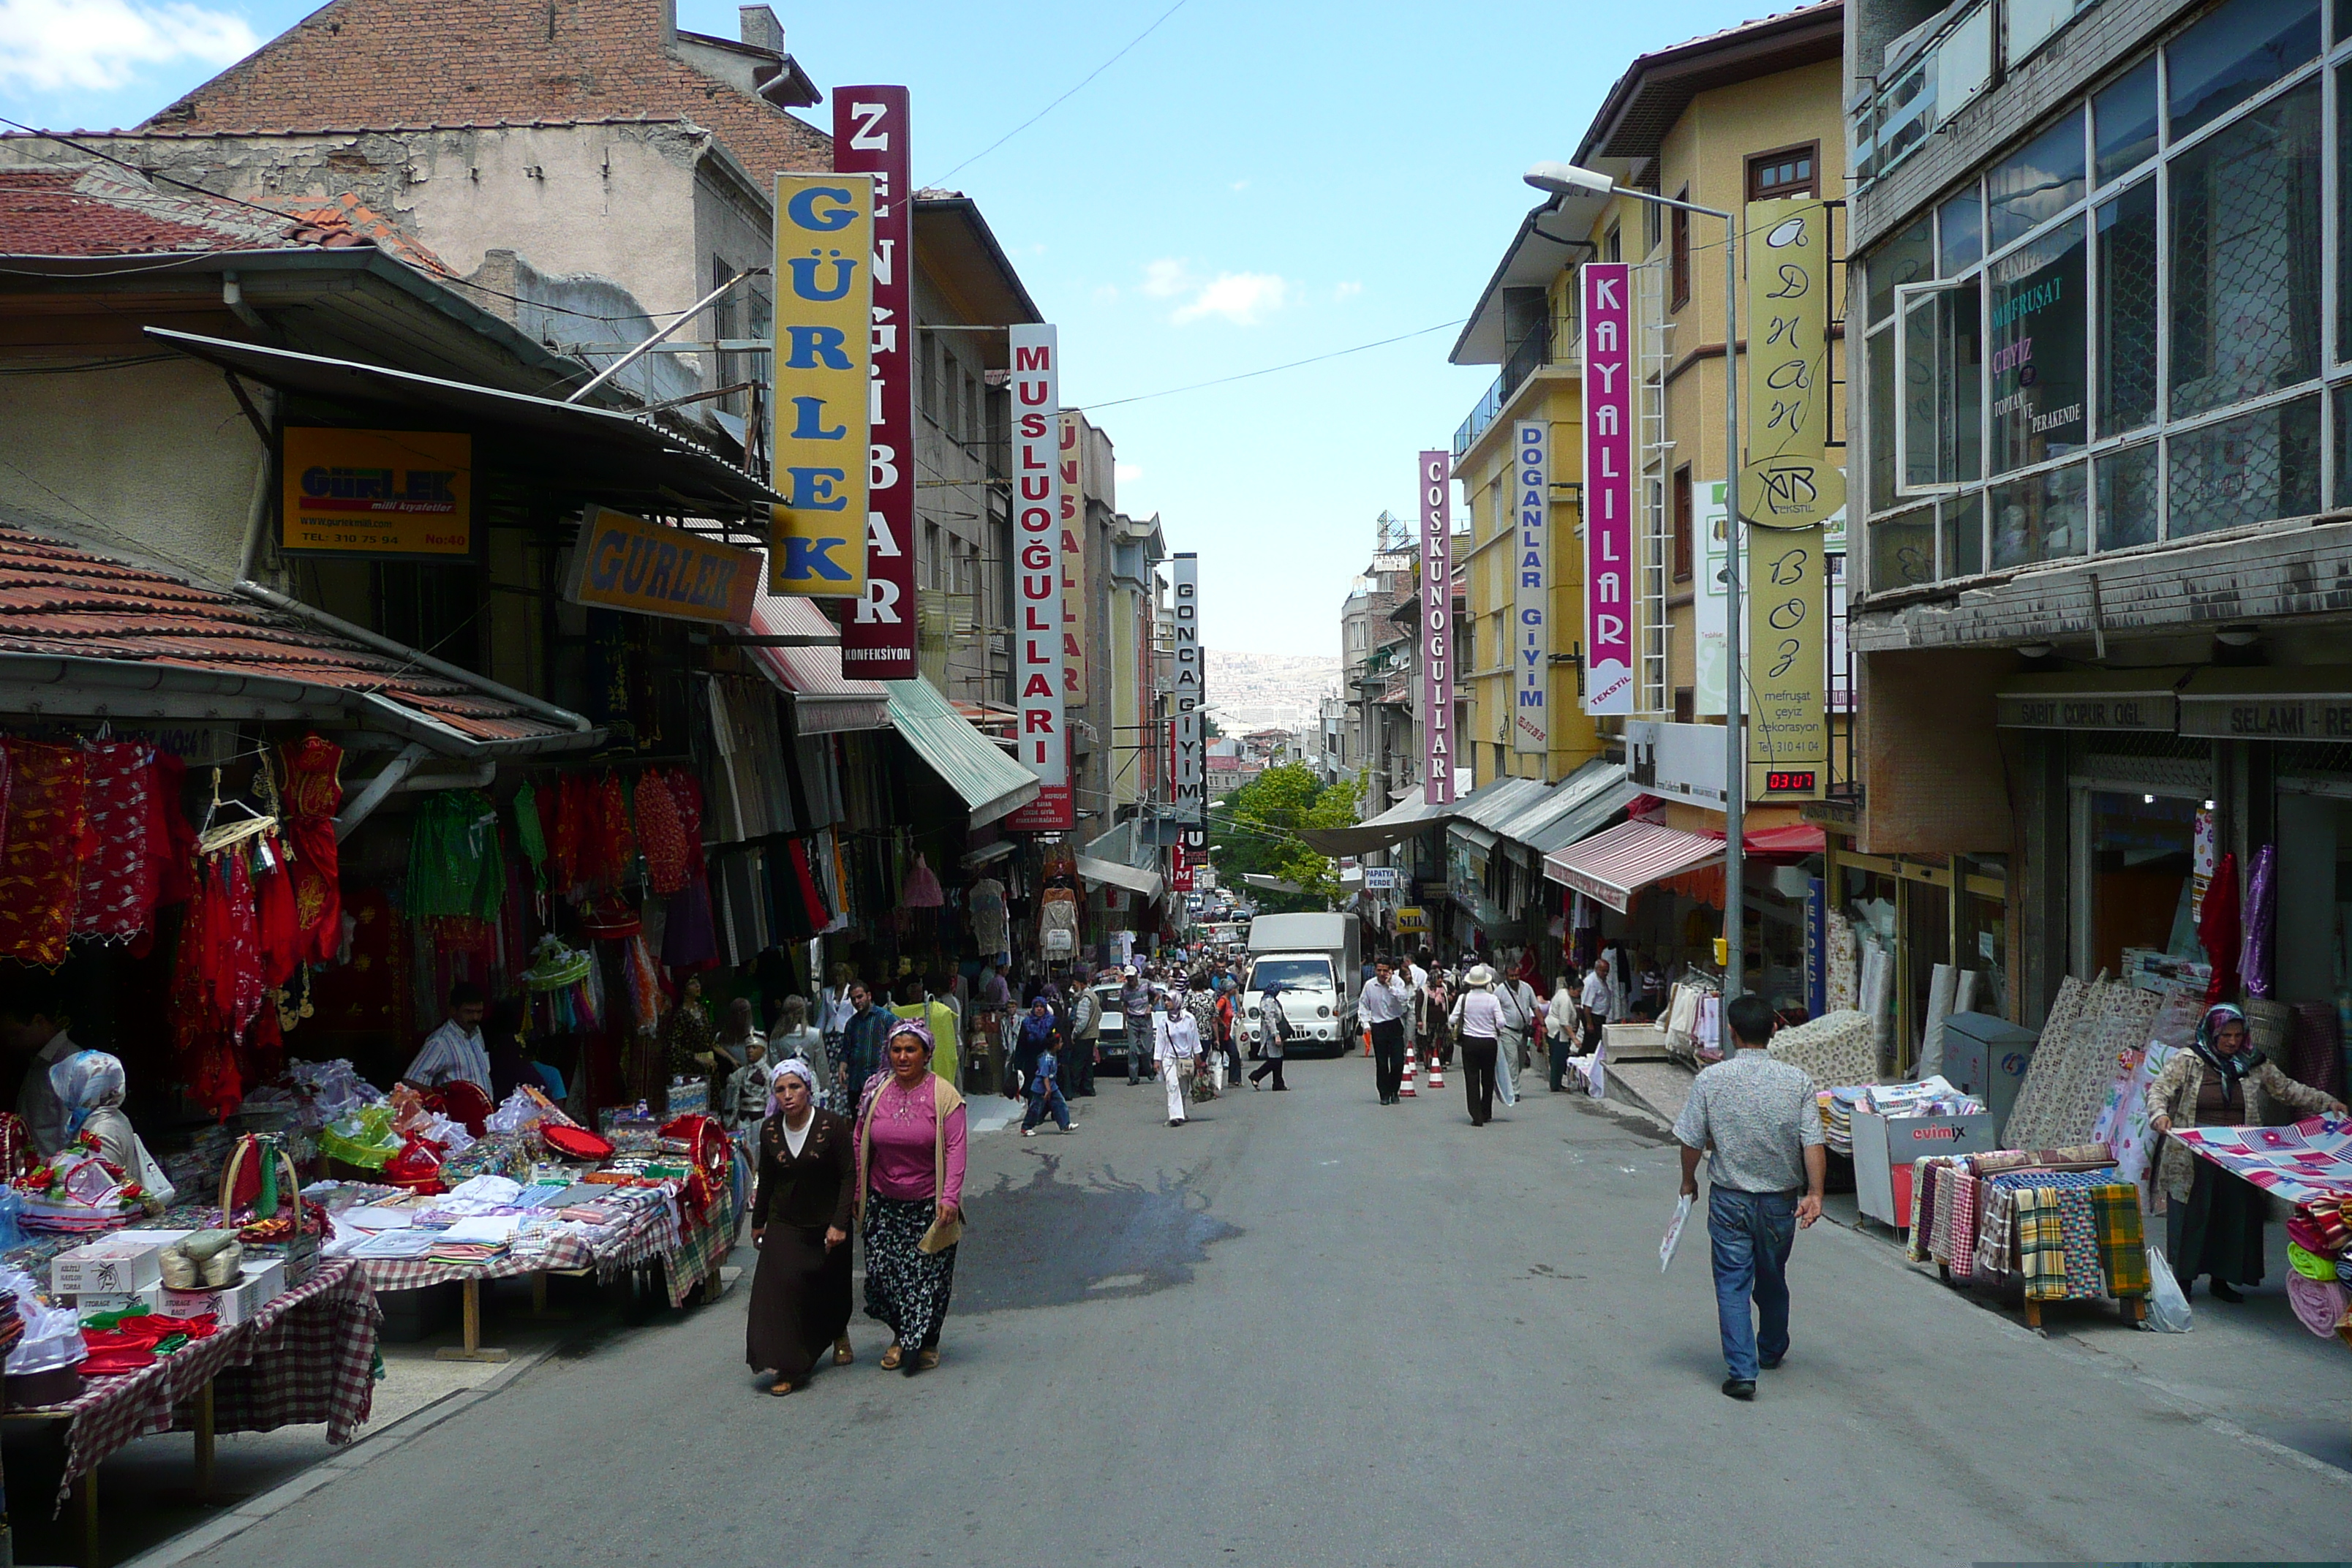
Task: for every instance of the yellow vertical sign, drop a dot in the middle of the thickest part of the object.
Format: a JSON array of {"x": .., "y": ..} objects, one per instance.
[
  {"x": 1787, "y": 488},
  {"x": 824, "y": 384},
  {"x": 1074, "y": 560}
]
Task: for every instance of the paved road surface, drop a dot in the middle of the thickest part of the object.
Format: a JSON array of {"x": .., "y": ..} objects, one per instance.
[{"x": 1307, "y": 1328}]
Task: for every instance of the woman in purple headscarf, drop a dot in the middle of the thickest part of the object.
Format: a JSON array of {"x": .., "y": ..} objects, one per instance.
[{"x": 2214, "y": 1221}]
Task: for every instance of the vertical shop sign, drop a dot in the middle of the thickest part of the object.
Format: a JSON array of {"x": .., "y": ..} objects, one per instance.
[
  {"x": 869, "y": 136},
  {"x": 1434, "y": 476},
  {"x": 1789, "y": 489},
  {"x": 1180, "y": 870},
  {"x": 1072, "y": 444},
  {"x": 1530, "y": 486},
  {"x": 1043, "y": 744},
  {"x": 824, "y": 242},
  {"x": 1190, "y": 770},
  {"x": 1607, "y": 301}
]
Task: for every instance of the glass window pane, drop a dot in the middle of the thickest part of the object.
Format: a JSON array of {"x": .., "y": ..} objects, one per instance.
[
  {"x": 2251, "y": 468},
  {"x": 2127, "y": 497},
  {"x": 1908, "y": 257},
  {"x": 1963, "y": 524},
  {"x": 1960, "y": 234},
  {"x": 2233, "y": 54},
  {"x": 2043, "y": 518},
  {"x": 1903, "y": 551},
  {"x": 2036, "y": 184},
  {"x": 2038, "y": 359},
  {"x": 2127, "y": 310},
  {"x": 2343, "y": 208},
  {"x": 2245, "y": 258},
  {"x": 1880, "y": 436},
  {"x": 1943, "y": 386},
  {"x": 2343, "y": 431},
  {"x": 2123, "y": 119}
]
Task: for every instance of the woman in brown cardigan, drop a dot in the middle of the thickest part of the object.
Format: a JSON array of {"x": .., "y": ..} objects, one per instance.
[
  {"x": 2214, "y": 1222},
  {"x": 800, "y": 1223}
]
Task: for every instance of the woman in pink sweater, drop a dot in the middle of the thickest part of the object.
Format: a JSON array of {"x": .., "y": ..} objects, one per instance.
[{"x": 911, "y": 1159}]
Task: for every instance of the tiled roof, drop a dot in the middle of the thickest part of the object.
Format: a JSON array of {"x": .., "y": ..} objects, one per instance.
[
  {"x": 59, "y": 601},
  {"x": 98, "y": 209}
]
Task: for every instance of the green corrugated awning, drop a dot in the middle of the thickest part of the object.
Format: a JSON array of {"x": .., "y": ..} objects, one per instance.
[{"x": 991, "y": 783}]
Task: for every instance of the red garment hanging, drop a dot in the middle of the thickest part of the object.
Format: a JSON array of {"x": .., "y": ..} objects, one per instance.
[
  {"x": 40, "y": 860},
  {"x": 313, "y": 793},
  {"x": 278, "y": 933},
  {"x": 117, "y": 895},
  {"x": 660, "y": 833},
  {"x": 233, "y": 939},
  {"x": 200, "y": 1045},
  {"x": 172, "y": 840},
  {"x": 2218, "y": 929}
]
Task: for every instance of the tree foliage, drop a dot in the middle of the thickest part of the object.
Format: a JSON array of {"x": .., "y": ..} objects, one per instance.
[{"x": 1252, "y": 830}]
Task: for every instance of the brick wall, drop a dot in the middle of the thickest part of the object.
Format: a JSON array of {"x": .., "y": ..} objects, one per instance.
[{"x": 382, "y": 63}]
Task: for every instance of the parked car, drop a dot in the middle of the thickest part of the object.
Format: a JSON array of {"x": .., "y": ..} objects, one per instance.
[{"x": 1110, "y": 1040}]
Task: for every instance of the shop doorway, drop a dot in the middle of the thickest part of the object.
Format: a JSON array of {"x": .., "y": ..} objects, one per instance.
[{"x": 2135, "y": 859}]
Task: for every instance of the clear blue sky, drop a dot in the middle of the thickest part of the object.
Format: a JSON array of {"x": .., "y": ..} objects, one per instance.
[{"x": 1252, "y": 183}]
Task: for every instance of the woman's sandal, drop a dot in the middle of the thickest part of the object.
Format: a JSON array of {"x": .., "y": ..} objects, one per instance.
[
  {"x": 841, "y": 1354},
  {"x": 926, "y": 1360},
  {"x": 892, "y": 1357},
  {"x": 779, "y": 1388}
]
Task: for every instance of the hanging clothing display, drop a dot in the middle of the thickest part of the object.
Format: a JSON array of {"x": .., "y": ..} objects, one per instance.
[
  {"x": 455, "y": 865},
  {"x": 985, "y": 903},
  {"x": 171, "y": 836},
  {"x": 661, "y": 834},
  {"x": 47, "y": 826},
  {"x": 1057, "y": 924},
  {"x": 116, "y": 900},
  {"x": 313, "y": 793}
]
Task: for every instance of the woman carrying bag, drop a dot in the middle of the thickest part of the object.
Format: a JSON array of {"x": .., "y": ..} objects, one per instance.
[
  {"x": 910, "y": 1165},
  {"x": 1273, "y": 1034}
]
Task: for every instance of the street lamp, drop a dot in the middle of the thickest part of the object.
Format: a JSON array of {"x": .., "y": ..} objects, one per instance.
[{"x": 1568, "y": 179}]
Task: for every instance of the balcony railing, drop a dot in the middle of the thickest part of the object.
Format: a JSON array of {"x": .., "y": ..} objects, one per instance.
[
  {"x": 1930, "y": 78},
  {"x": 1551, "y": 343}
]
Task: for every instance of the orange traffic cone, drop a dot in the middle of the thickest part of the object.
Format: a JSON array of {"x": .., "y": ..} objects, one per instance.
[
  {"x": 1436, "y": 1073},
  {"x": 1404, "y": 1088}
]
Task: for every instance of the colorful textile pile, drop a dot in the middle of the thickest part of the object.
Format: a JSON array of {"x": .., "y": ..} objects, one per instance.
[
  {"x": 2303, "y": 1163},
  {"x": 1834, "y": 1049},
  {"x": 2059, "y": 1218}
]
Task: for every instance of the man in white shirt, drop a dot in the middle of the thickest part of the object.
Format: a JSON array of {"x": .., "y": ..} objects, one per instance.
[
  {"x": 454, "y": 1050},
  {"x": 1383, "y": 1007},
  {"x": 1598, "y": 1001},
  {"x": 33, "y": 1026}
]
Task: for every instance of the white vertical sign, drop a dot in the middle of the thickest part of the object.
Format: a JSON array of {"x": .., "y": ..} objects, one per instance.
[
  {"x": 1531, "y": 492},
  {"x": 1043, "y": 745}
]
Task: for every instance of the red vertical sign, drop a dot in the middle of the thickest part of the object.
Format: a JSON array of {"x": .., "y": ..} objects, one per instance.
[{"x": 869, "y": 137}]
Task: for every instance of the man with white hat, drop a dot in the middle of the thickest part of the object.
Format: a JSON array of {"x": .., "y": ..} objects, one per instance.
[{"x": 1479, "y": 1018}]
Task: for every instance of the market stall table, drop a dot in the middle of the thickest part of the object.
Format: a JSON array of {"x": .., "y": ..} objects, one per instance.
[
  {"x": 2060, "y": 1221},
  {"x": 306, "y": 1357}
]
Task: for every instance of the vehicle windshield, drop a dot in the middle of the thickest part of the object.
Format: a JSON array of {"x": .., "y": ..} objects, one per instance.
[{"x": 1292, "y": 974}]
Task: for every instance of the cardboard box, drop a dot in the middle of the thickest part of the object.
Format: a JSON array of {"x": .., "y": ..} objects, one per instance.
[
  {"x": 258, "y": 1284},
  {"x": 1886, "y": 1146},
  {"x": 111, "y": 1265}
]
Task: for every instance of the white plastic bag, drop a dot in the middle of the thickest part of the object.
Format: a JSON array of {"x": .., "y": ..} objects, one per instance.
[{"x": 2167, "y": 1308}]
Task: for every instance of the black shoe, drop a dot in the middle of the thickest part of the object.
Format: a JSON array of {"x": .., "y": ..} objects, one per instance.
[
  {"x": 1772, "y": 1365},
  {"x": 1739, "y": 1387},
  {"x": 2227, "y": 1293}
]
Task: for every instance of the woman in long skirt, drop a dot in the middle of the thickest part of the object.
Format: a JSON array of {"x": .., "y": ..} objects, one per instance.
[
  {"x": 910, "y": 1160},
  {"x": 800, "y": 1223}
]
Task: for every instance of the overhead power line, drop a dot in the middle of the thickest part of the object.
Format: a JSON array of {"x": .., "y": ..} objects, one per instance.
[
  {"x": 1269, "y": 370},
  {"x": 1049, "y": 109}
]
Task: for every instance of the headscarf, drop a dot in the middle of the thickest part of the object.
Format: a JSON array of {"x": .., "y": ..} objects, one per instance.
[
  {"x": 913, "y": 1026},
  {"x": 2208, "y": 1032},
  {"x": 794, "y": 1067},
  {"x": 83, "y": 1082}
]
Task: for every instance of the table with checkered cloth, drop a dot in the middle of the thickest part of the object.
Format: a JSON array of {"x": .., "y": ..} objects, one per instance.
[
  {"x": 702, "y": 1245},
  {"x": 651, "y": 1233},
  {"x": 307, "y": 1356}
]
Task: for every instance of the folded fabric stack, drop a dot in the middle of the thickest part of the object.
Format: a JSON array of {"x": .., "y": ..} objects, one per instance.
[
  {"x": 1837, "y": 1117},
  {"x": 444, "y": 1250},
  {"x": 2319, "y": 1259},
  {"x": 1928, "y": 1097},
  {"x": 125, "y": 1342}
]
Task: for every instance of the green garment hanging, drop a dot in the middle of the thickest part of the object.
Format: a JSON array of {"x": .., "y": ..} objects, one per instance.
[
  {"x": 454, "y": 864},
  {"x": 527, "y": 836}
]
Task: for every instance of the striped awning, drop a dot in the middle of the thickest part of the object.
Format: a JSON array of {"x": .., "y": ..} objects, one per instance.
[{"x": 1613, "y": 866}]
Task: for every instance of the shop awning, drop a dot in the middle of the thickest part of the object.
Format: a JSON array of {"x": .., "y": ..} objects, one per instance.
[
  {"x": 1613, "y": 866},
  {"x": 2091, "y": 700},
  {"x": 824, "y": 700},
  {"x": 1416, "y": 816},
  {"x": 991, "y": 783},
  {"x": 1111, "y": 874},
  {"x": 1792, "y": 841},
  {"x": 1575, "y": 808}
]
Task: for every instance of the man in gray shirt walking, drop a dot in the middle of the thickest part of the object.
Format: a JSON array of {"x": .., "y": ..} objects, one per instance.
[{"x": 1759, "y": 1122}]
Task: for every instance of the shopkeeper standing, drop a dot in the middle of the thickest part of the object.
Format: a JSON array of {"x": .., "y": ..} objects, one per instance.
[{"x": 454, "y": 1050}]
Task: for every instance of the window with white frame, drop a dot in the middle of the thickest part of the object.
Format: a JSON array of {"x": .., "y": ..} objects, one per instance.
[{"x": 2117, "y": 335}]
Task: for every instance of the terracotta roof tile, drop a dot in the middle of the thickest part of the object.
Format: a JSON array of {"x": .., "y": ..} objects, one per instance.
[{"x": 64, "y": 602}]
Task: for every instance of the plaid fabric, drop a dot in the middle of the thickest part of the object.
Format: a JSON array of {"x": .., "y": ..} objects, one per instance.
[
  {"x": 2122, "y": 1248},
  {"x": 305, "y": 1357},
  {"x": 2078, "y": 1234},
  {"x": 1925, "y": 1176},
  {"x": 2041, "y": 1243},
  {"x": 1960, "y": 1238},
  {"x": 700, "y": 1245},
  {"x": 653, "y": 1232}
]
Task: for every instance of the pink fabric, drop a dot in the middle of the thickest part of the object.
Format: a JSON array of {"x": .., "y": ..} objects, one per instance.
[{"x": 904, "y": 1130}]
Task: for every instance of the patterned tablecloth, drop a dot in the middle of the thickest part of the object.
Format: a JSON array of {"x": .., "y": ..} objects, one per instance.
[
  {"x": 309, "y": 1356},
  {"x": 651, "y": 1234},
  {"x": 702, "y": 1247},
  {"x": 2301, "y": 1164}
]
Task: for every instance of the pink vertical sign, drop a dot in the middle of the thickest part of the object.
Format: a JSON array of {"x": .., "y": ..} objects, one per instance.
[
  {"x": 1434, "y": 478},
  {"x": 1608, "y": 486}
]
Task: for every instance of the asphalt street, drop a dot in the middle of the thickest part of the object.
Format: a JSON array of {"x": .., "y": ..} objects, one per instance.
[{"x": 1307, "y": 1328}]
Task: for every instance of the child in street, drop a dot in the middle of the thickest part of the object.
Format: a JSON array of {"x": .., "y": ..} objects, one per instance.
[
  {"x": 743, "y": 1104},
  {"x": 1044, "y": 1090}
]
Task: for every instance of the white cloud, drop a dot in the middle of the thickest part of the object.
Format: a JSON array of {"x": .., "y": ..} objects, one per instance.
[
  {"x": 1347, "y": 292},
  {"x": 1127, "y": 473},
  {"x": 1239, "y": 186},
  {"x": 97, "y": 45},
  {"x": 1240, "y": 297},
  {"x": 1167, "y": 277},
  {"x": 1106, "y": 292}
]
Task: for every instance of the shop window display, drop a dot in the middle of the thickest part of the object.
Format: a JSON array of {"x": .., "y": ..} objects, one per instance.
[{"x": 2141, "y": 859}]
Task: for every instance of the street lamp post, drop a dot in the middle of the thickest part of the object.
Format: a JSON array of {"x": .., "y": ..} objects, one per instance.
[{"x": 1559, "y": 179}]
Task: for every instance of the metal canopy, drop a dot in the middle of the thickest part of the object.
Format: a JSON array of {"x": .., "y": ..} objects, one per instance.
[
  {"x": 991, "y": 783},
  {"x": 597, "y": 449}
]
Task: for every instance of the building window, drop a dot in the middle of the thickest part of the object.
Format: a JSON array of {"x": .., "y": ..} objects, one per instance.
[
  {"x": 1683, "y": 524},
  {"x": 1611, "y": 248},
  {"x": 1682, "y": 285},
  {"x": 1685, "y": 705},
  {"x": 1785, "y": 172},
  {"x": 1652, "y": 232}
]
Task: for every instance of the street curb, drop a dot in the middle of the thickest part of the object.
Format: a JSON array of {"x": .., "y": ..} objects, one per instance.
[
  {"x": 1619, "y": 1092},
  {"x": 364, "y": 1451}
]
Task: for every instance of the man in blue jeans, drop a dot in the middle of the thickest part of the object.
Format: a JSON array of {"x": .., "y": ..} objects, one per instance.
[{"x": 1758, "y": 1124}]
